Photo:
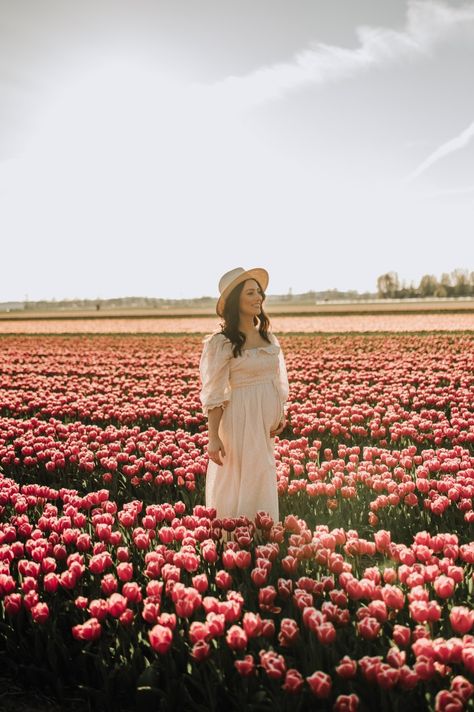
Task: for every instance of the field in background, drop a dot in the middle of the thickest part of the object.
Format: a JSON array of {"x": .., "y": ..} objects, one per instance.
[
  {"x": 280, "y": 324},
  {"x": 273, "y": 309}
]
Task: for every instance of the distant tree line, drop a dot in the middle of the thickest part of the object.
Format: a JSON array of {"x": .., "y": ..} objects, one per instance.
[{"x": 459, "y": 283}]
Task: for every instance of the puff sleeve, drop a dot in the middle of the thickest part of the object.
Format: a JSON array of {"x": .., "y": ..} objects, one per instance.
[
  {"x": 214, "y": 369},
  {"x": 283, "y": 385}
]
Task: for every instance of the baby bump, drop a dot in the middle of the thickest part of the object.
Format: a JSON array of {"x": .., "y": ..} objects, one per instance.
[
  {"x": 253, "y": 406},
  {"x": 271, "y": 407}
]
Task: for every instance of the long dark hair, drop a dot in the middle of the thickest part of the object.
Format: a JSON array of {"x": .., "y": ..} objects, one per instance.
[{"x": 230, "y": 323}]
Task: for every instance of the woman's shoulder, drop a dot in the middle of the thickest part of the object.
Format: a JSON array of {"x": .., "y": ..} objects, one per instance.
[{"x": 217, "y": 338}]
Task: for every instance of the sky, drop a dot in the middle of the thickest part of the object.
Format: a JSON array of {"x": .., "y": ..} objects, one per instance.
[{"x": 147, "y": 147}]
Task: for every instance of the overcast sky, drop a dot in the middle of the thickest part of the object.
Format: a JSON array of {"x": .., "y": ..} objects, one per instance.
[{"x": 149, "y": 146}]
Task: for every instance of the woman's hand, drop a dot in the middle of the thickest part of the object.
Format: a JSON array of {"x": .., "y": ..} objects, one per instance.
[
  {"x": 281, "y": 426},
  {"x": 214, "y": 448}
]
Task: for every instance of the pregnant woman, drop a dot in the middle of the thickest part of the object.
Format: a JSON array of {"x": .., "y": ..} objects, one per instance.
[{"x": 244, "y": 389}]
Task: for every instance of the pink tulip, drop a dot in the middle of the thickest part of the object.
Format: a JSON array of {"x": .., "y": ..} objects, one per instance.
[
  {"x": 461, "y": 619},
  {"x": 320, "y": 684},
  {"x": 161, "y": 638}
]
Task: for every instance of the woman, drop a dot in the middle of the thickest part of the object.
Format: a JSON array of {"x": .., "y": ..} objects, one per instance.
[{"x": 244, "y": 390}]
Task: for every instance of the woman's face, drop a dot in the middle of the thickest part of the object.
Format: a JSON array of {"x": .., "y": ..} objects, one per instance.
[{"x": 251, "y": 298}]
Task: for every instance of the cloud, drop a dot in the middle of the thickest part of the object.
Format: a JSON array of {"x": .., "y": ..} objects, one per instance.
[
  {"x": 454, "y": 144},
  {"x": 427, "y": 23}
]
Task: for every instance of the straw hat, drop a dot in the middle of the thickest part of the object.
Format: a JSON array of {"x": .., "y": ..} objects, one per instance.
[{"x": 231, "y": 279}]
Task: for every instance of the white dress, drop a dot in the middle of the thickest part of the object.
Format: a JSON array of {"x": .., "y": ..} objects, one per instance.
[{"x": 252, "y": 390}]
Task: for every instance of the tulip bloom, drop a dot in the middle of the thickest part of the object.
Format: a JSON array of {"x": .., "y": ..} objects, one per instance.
[
  {"x": 320, "y": 684},
  {"x": 326, "y": 633},
  {"x": 161, "y": 638},
  {"x": 462, "y": 687},
  {"x": 347, "y": 668},
  {"x": 368, "y": 628},
  {"x": 461, "y": 619},
  {"x": 444, "y": 586},
  {"x": 201, "y": 650},
  {"x": 401, "y": 635},
  {"x": 273, "y": 664},
  {"x": 246, "y": 666},
  {"x": 446, "y": 700},
  {"x": 393, "y": 597},
  {"x": 252, "y": 624},
  {"x": 40, "y": 612},
  {"x": 236, "y": 638},
  {"x": 90, "y": 630},
  {"x": 293, "y": 681},
  {"x": 346, "y": 703},
  {"x": 289, "y": 632}
]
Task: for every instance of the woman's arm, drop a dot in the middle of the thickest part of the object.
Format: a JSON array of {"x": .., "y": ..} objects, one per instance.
[{"x": 215, "y": 445}]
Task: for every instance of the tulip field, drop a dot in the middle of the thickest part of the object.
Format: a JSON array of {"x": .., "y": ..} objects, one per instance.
[{"x": 119, "y": 587}]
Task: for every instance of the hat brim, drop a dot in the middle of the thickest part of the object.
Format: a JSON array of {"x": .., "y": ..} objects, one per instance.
[{"x": 258, "y": 273}]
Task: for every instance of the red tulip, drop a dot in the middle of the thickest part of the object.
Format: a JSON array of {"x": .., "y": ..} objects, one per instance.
[
  {"x": 447, "y": 701},
  {"x": 387, "y": 676},
  {"x": 289, "y": 632},
  {"x": 168, "y": 620},
  {"x": 243, "y": 559},
  {"x": 378, "y": 610},
  {"x": 461, "y": 619},
  {"x": 289, "y": 565},
  {"x": 259, "y": 577},
  {"x": 198, "y": 631},
  {"x": 132, "y": 591},
  {"x": 294, "y": 681},
  {"x": 150, "y": 611},
  {"x": 126, "y": 618},
  {"x": 252, "y": 624},
  {"x": 51, "y": 582},
  {"x": 462, "y": 688},
  {"x": 347, "y": 668},
  {"x": 273, "y": 664},
  {"x": 125, "y": 571},
  {"x": 382, "y": 540},
  {"x": 424, "y": 668},
  {"x": 12, "y": 603},
  {"x": 98, "y": 608},
  {"x": 116, "y": 604},
  {"x": 468, "y": 657},
  {"x": 444, "y": 586},
  {"x": 236, "y": 638},
  {"x": 201, "y": 650},
  {"x": 434, "y": 611},
  {"x": 320, "y": 684},
  {"x": 161, "y": 638},
  {"x": 346, "y": 703},
  {"x": 246, "y": 666},
  {"x": 393, "y": 597},
  {"x": 408, "y": 678},
  {"x": 396, "y": 658},
  {"x": 326, "y": 633},
  {"x": 40, "y": 612},
  {"x": 268, "y": 628},
  {"x": 223, "y": 579},
  {"x": 90, "y": 630},
  {"x": 401, "y": 635},
  {"x": 368, "y": 628}
]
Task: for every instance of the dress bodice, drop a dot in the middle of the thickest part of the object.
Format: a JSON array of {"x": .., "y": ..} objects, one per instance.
[
  {"x": 255, "y": 365},
  {"x": 221, "y": 372}
]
